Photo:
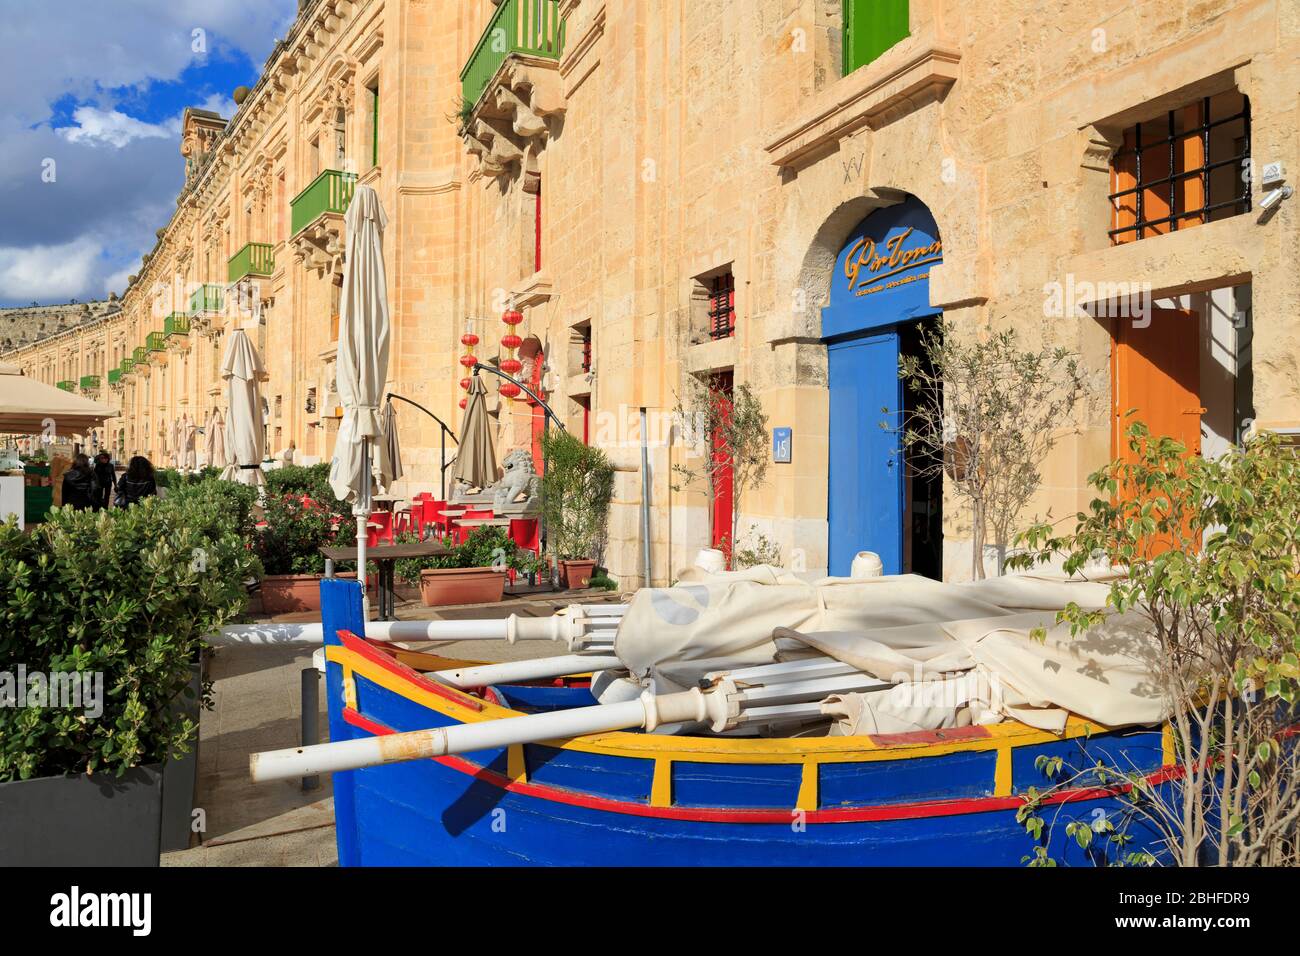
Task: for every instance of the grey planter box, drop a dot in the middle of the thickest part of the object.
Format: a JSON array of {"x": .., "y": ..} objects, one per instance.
[
  {"x": 180, "y": 778},
  {"x": 82, "y": 820}
]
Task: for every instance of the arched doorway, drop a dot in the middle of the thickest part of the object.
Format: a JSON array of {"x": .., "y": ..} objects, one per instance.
[{"x": 880, "y": 496}]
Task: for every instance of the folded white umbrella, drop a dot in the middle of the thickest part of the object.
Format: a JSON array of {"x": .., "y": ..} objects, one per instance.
[
  {"x": 188, "y": 457},
  {"x": 214, "y": 440},
  {"x": 242, "y": 369},
  {"x": 362, "y": 365}
]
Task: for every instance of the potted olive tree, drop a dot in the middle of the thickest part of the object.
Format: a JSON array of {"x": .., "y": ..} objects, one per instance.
[
  {"x": 98, "y": 639},
  {"x": 576, "y": 492}
]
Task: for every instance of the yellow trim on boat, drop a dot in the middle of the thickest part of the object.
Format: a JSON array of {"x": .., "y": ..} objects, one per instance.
[
  {"x": 1168, "y": 747},
  {"x": 808, "y": 782},
  {"x": 516, "y": 768},
  {"x": 661, "y": 785},
  {"x": 1002, "y": 783}
]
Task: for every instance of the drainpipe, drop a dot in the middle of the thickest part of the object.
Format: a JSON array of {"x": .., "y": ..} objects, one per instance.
[{"x": 645, "y": 498}]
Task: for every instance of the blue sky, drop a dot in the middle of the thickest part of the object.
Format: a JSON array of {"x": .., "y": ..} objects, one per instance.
[{"x": 90, "y": 161}]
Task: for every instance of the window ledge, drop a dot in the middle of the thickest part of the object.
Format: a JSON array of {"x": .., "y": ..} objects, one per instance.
[
  {"x": 713, "y": 355},
  {"x": 871, "y": 96}
]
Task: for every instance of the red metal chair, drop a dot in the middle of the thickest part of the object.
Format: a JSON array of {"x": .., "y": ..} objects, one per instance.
[
  {"x": 381, "y": 528},
  {"x": 458, "y": 533},
  {"x": 526, "y": 535},
  {"x": 434, "y": 517}
]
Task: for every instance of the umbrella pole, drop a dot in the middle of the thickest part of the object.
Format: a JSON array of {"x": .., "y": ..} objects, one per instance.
[{"x": 362, "y": 512}]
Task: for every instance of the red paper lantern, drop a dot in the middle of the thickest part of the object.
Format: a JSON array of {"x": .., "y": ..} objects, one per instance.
[
  {"x": 510, "y": 391},
  {"x": 463, "y": 403},
  {"x": 469, "y": 340},
  {"x": 464, "y": 383},
  {"x": 512, "y": 366},
  {"x": 512, "y": 317},
  {"x": 511, "y": 341},
  {"x": 468, "y": 361}
]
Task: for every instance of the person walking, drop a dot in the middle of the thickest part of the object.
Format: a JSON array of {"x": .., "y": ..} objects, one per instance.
[
  {"x": 80, "y": 486},
  {"x": 107, "y": 475},
  {"x": 137, "y": 484}
]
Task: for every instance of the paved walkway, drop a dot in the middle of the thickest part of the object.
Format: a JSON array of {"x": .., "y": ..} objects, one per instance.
[{"x": 258, "y": 703}]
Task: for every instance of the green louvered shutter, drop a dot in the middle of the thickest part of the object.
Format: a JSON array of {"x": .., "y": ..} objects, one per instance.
[{"x": 870, "y": 28}]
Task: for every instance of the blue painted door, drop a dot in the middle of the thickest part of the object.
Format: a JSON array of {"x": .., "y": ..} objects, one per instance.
[{"x": 865, "y": 506}]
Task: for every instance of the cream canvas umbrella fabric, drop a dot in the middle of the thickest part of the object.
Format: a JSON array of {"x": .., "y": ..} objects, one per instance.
[
  {"x": 476, "y": 461},
  {"x": 174, "y": 440},
  {"x": 214, "y": 440},
  {"x": 29, "y": 407},
  {"x": 388, "y": 467},
  {"x": 364, "y": 328},
  {"x": 241, "y": 368},
  {"x": 189, "y": 457},
  {"x": 910, "y": 631}
]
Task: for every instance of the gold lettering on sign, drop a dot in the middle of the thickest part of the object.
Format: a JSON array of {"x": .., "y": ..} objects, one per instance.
[{"x": 865, "y": 265}]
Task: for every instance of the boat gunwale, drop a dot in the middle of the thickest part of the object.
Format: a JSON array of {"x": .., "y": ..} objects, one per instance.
[{"x": 357, "y": 656}]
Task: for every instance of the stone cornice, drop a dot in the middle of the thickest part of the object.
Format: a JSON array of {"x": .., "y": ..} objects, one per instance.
[{"x": 866, "y": 98}]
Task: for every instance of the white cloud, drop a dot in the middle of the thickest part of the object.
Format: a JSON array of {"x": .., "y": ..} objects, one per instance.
[
  {"x": 96, "y": 127},
  {"x": 46, "y": 273}
]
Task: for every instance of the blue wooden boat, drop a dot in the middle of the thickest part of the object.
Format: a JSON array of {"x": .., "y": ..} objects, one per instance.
[{"x": 936, "y": 798}]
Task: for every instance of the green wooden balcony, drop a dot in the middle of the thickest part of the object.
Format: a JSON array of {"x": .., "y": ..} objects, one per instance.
[
  {"x": 156, "y": 342},
  {"x": 66, "y": 385},
  {"x": 115, "y": 376},
  {"x": 331, "y": 191},
  {"x": 90, "y": 382},
  {"x": 127, "y": 366},
  {"x": 206, "y": 298},
  {"x": 178, "y": 323},
  {"x": 533, "y": 27},
  {"x": 255, "y": 259},
  {"x": 140, "y": 357}
]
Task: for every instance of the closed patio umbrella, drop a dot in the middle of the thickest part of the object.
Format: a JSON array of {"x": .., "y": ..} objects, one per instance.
[
  {"x": 188, "y": 457},
  {"x": 476, "y": 462},
  {"x": 362, "y": 365},
  {"x": 214, "y": 440},
  {"x": 242, "y": 369},
  {"x": 389, "y": 469}
]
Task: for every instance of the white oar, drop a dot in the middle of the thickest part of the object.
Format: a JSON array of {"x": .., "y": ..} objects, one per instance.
[
  {"x": 545, "y": 668},
  {"x": 579, "y": 626},
  {"x": 721, "y": 706}
]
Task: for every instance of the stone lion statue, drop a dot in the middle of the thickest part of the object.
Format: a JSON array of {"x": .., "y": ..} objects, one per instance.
[{"x": 519, "y": 481}]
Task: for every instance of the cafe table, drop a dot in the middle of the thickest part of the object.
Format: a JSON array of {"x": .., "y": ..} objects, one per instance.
[{"x": 386, "y": 557}]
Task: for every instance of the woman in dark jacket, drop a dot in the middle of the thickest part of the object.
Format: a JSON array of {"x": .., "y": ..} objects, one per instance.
[
  {"x": 80, "y": 486},
  {"x": 107, "y": 476},
  {"x": 137, "y": 483}
]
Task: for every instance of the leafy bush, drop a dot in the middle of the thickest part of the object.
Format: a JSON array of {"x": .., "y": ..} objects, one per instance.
[
  {"x": 230, "y": 498},
  {"x": 310, "y": 480},
  {"x": 576, "y": 491},
  {"x": 293, "y": 535},
  {"x": 171, "y": 478},
  {"x": 483, "y": 548},
  {"x": 1212, "y": 552},
  {"x": 127, "y": 594}
]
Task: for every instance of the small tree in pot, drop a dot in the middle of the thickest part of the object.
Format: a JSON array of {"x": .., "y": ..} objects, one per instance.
[
  {"x": 472, "y": 572},
  {"x": 576, "y": 492}
]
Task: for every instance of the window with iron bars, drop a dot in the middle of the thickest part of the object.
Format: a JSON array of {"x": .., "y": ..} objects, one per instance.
[
  {"x": 722, "y": 306},
  {"x": 1185, "y": 168}
]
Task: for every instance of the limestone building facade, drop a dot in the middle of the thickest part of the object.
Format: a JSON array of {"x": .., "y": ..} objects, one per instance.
[{"x": 768, "y": 194}]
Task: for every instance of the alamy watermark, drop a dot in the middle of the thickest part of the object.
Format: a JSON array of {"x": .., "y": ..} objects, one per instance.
[
  {"x": 1101, "y": 300},
  {"x": 63, "y": 690}
]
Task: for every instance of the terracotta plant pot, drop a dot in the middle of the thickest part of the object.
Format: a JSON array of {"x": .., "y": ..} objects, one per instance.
[
  {"x": 577, "y": 574},
  {"x": 294, "y": 593},
  {"x": 440, "y": 587}
]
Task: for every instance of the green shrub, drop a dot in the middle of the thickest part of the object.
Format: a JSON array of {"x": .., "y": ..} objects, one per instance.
[
  {"x": 310, "y": 480},
  {"x": 576, "y": 491},
  {"x": 213, "y": 496},
  {"x": 171, "y": 478},
  {"x": 293, "y": 535},
  {"x": 127, "y": 594},
  {"x": 484, "y": 548}
]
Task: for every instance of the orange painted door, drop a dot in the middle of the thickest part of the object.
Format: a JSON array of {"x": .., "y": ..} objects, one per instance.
[{"x": 1157, "y": 376}]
